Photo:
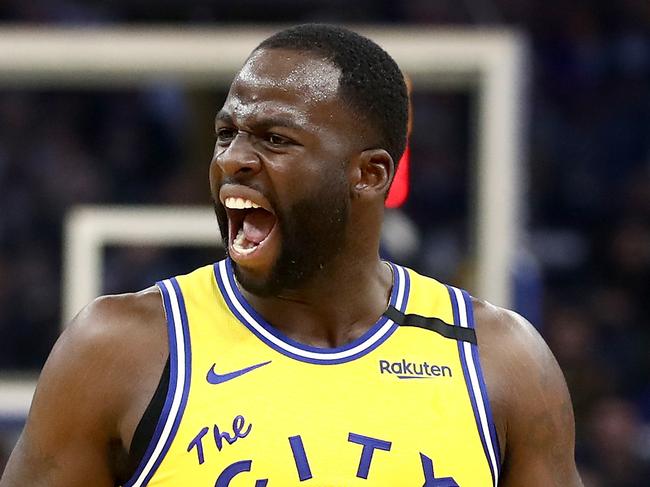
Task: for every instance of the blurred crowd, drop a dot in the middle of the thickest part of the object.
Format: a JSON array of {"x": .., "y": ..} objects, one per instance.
[{"x": 588, "y": 152}]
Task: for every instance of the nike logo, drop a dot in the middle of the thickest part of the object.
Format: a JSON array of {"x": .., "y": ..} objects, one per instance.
[{"x": 214, "y": 378}]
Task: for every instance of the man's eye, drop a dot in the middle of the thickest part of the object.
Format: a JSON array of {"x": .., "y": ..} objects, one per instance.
[
  {"x": 225, "y": 135},
  {"x": 277, "y": 139}
]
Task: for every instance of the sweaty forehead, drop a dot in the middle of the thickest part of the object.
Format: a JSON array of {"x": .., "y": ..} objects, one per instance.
[{"x": 278, "y": 71}]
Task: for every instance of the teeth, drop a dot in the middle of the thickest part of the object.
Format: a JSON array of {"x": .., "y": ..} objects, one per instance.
[
  {"x": 239, "y": 203},
  {"x": 239, "y": 242}
]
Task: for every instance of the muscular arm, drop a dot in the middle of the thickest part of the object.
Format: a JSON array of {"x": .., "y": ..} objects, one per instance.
[
  {"x": 92, "y": 392},
  {"x": 530, "y": 400}
]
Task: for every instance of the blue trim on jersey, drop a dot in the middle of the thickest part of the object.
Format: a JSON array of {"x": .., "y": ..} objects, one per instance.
[
  {"x": 173, "y": 382},
  {"x": 406, "y": 285},
  {"x": 275, "y": 332},
  {"x": 324, "y": 353},
  {"x": 481, "y": 379},
  {"x": 173, "y": 372},
  {"x": 186, "y": 385},
  {"x": 468, "y": 383}
]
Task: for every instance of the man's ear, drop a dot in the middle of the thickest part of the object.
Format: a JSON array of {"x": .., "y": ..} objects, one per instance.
[{"x": 372, "y": 172}]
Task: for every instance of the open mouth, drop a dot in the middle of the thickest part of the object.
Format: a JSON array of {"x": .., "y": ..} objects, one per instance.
[
  {"x": 251, "y": 221},
  {"x": 249, "y": 226}
]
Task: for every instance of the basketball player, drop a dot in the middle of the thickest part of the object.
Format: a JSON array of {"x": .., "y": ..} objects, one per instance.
[{"x": 303, "y": 358}]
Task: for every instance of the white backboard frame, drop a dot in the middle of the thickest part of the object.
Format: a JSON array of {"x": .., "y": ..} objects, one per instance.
[{"x": 493, "y": 62}]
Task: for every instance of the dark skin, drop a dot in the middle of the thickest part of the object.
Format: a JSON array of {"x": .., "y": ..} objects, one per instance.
[{"x": 106, "y": 365}]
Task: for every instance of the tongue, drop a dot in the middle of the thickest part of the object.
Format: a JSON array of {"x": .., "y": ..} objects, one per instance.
[{"x": 258, "y": 224}]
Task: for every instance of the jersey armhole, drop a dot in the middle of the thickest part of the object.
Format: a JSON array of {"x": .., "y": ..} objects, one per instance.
[
  {"x": 144, "y": 432},
  {"x": 463, "y": 313}
]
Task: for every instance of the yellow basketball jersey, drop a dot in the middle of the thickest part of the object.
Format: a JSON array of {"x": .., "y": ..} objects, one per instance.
[{"x": 403, "y": 405}]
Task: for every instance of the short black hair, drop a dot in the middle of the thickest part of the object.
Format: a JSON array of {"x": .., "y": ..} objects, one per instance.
[{"x": 371, "y": 82}]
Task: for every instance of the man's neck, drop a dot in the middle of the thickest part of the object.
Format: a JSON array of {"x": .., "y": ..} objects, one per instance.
[{"x": 334, "y": 308}]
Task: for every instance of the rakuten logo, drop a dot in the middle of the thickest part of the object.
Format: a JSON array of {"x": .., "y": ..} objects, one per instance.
[{"x": 413, "y": 370}]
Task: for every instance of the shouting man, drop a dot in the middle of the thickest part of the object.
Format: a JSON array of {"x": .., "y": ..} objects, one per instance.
[{"x": 303, "y": 356}]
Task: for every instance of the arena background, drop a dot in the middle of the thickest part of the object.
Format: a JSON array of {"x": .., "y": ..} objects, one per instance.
[{"x": 581, "y": 272}]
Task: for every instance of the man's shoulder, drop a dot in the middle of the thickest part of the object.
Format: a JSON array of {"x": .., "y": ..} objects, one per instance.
[
  {"x": 524, "y": 381},
  {"x": 136, "y": 316},
  {"x": 111, "y": 319},
  {"x": 511, "y": 349},
  {"x": 497, "y": 323},
  {"x": 92, "y": 391},
  {"x": 133, "y": 307},
  {"x": 504, "y": 335},
  {"x": 115, "y": 343}
]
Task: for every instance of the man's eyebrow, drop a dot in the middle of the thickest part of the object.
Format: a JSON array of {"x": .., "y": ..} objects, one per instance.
[
  {"x": 279, "y": 121},
  {"x": 222, "y": 116},
  {"x": 263, "y": 123}
]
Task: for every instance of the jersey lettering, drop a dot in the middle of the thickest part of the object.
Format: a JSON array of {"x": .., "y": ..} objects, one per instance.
[
  {"x": 304, "y": 471},
  {"x": 197, "y": 442},
  {"x": 240, "y": 430},
  {"x": 231, "y": 471},
  {"x": 300, "y": 457},
  {"x": 430, "y": 479},
  {"x": 235, "y": 469},
  {"x": 369, "y": 447}
]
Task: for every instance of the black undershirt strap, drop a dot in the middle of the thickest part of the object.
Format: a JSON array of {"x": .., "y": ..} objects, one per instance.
[
  {"x": 433, "y": 324},
  {"x": 147, "y": 425}
]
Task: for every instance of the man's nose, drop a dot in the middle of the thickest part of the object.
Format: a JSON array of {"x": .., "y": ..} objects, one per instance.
[{"x": 239, "y": 157}]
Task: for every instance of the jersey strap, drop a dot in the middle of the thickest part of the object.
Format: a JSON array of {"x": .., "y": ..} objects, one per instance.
[
  {"x": 469, "y": 357},
  {"x": 433, "y": 324},
  {"x": 179, "y": 383}
]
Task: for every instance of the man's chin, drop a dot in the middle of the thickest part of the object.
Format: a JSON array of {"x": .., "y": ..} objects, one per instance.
[{"x": 255, "y": 280}]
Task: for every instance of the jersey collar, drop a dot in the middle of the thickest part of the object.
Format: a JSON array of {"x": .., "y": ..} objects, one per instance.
[{"x": 371, "y": 339}]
